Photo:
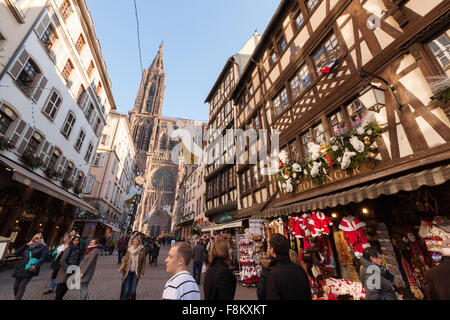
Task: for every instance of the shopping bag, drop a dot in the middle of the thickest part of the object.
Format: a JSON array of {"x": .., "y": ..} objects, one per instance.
[{"x": 204, "y": 268}]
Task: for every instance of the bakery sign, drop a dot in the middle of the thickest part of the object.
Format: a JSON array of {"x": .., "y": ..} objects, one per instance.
[{"x": 333, "y": 176}]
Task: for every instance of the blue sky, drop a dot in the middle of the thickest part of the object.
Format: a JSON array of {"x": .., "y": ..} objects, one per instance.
[{"x": 199, "y": 36}]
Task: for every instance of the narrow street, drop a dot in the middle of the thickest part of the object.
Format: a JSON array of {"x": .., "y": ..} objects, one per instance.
[{"x": 106, "y": 282}]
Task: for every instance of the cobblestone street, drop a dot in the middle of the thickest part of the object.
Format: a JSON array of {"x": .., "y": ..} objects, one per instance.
[{"x": 106, "y": 282}]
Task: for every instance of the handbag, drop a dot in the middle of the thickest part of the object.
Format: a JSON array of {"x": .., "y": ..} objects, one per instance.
[
  {"x": 31, "y": 262},
  {"x": 56, "y": 263}
]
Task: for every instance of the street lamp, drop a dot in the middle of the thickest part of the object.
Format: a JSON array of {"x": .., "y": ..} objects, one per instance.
[{"x": 373, "y": 98}]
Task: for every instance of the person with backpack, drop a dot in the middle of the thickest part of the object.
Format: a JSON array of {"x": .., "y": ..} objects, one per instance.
[
  {"x": 34, "y": 253},
  {"x": 56, "y": 255},
  {"x": 155, "y": 252},
  {"x": 71, "y": 257}
]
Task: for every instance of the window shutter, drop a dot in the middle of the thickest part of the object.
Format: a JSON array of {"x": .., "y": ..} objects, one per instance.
[
  {"x": 25, "y": 140},
  {"x": 38, "y": 92},
  {"x": 46, "y": 157},
  {"x": 18, "y": 132},
  {"x": 19, "y": 64},
  {"x": 74, "y": 175},
  {"x": 62, "y": 165},
  {"x": 42, "y": 149},
  {"x": 43, "y": 25}
]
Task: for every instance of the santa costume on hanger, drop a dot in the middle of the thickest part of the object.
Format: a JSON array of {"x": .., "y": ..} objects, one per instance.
[
  {"x": 354, "y": 234},
  {"x": 319, "y": 224}
]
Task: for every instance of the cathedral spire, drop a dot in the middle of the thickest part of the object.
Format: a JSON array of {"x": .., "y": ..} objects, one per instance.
[{"x": 158, "y": 62}]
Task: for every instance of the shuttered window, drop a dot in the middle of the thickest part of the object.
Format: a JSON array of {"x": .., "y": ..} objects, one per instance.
[
  {"x": 65, "y": 10},
  {"x": 68, "y": 124},
  {"x": 88, "y": 155},
  {"x": 53, "y": 105},
  {"x": 5, "y": 122},
  {"x": 80, "y": 140}
]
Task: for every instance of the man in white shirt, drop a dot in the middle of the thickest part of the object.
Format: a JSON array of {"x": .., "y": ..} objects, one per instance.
[{"x": 182, "y": 285}]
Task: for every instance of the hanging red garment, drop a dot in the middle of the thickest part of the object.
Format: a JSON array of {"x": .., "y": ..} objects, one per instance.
[{"x": 354, "y": 234}]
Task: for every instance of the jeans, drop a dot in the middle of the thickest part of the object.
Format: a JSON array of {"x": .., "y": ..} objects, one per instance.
[
  {"x": 52, "y": 284},
  {"x": 129, "y": 286},
  {"x": 61, "y": 290},
  {"x": 154, "y": 260},
  {"x": 19, "y": 287},
  {"x": 122, "y": 254},
  {"x": 197, "y": 271},
  {"x": 84, "y": 290}
]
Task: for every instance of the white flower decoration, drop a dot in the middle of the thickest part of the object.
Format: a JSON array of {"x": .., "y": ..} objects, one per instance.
[
  {"x": 283, "y": 156},
  {"x": 360, "y": 131},
  {"x": 284, "y": 185},
  {"x": 369, "y": 132},
  {"x": 335, "y": 148},
  {"x": 289, "y": 186},
  {"x": 294, "y": 175},
  {"x": 339, "y": 159},
  {"x": 296, "y": 167},
  {"x": 285, "y": 177},
  {"x": 305, "y": 172}
]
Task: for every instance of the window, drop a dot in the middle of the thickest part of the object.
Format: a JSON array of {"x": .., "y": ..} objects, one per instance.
[
  {"x": 98, "y": 91},
  {"x": 113, "y": 170},
  {"x": 53, "y": 105},
  {"x": 100, "y": 160},
  {"x": 79, "y": 182},
  {"x": 80, "y": 43},
  {"x": 5, "y": 122},
  {"x": 49, "y": 37},
  {"x": 104, "y": 139},
  {"x": 338, "y": 123},
  {"x": 97, "y": 126},
  {"x": 272, "y": 56},
  {"x": 256, "y": 174},
  {"x": 54, "y": 159},
  {"x": 80, "y": 140},
  {"x": 293, "y": 149},
  {"x": 327, "y": 53},
  {"x": 297, "y": 16},
  {"x": 280, "y": 102},
  {"x": 319, "y": 134},
  {"x": 306, "y": 139},
  {"x": 65, "y": 10},
  {"x": 441, "y": 50},
  {"x": 89, "y": 185},
  {"x": 311, "y": 4},
  {"x": 34, "y": 143},
  {"x": 80, "y": 96},
  {"x": 88, "y": 155},
  {"x": 67, "y": 70},
  {"x": 249, "y": 179},
  {"x": 356, "y": 112},
  {"x": 28, "y": 75},
  {"x": 69, "y": 171},
  {"x": 68, "y": 124},
  {"x": 281, "y": 42},
  {"x": 90, "y": 69},
  {"x": 300, "y": 82},
  {"x": 89, "y": 111}
]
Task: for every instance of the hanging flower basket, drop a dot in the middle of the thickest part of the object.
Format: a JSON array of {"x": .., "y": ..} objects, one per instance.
[
  {"x": 31, "y": 160},
  {"x": 52, "y": 173},
  {"x": 77, "y": 191},
  {"x": 67, "y": 184},
  {"x": 5, "y": 145},
  {"x": 345, "y": 152}
]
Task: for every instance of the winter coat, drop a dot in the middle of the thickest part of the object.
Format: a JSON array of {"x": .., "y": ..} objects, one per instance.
[
  {"x": 122, "y": 245},
  {"x": 40, "y": 252},
  {"x": 220, "y": 282},
  {"x": 70, "y": 257},
  {"x": 385, "y": 292},
  {"x": 287, "y": 281},
  {"x": 199, "y": 253},
  {"x": 155, "y": 250},
  {"x": 261, "y": 289},
  {"x": 88, "y": 265},
  {"x": 140, "y": 268},
  {"x": 438, "y": 287}
]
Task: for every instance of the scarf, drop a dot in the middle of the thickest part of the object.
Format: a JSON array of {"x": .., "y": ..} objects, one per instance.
[
  {"x": 134, "y": 257},
  {"x": 89, "y": 249}
]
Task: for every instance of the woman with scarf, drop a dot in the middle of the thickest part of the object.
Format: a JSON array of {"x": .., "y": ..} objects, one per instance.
[
  {"x": 87, "y": 267},
  {"x": 56, "y": 255},
  {"x": 33, "y": 255},
  {"x": 71, "y": 257},
  {"x": 132, "y": 268}
]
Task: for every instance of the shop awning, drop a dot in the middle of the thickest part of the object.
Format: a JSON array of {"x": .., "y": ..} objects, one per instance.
[
  {"x": 113, "y": 228},
  {"x": 35, "y": 181},
  {"x": 233, "y": 224},
  {"x": 410, "y": 182}
]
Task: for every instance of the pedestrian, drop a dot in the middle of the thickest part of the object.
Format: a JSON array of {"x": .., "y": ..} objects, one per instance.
[
  {"x": 372, "y": 264},
  {"x": 102, "y": 245},
  {"x": 33, "y": 254},
  {"x": 83, "y": 243},
  {"x": 87, "y": 267},
  {"x": 112, "y": 246},
  {"x": 71, "y": 257},
  {"x": 56, "y": 255},
  {"x": 210, "y": 245},
  {"x": 285, "y": 280},
  {"x": 199, "y": 256},
  {"x": 438, "y": 285},
  {"x": 155, "y": 253},
  {"x": 121, "y": 249},
  {"x": 182, "y": 285},
  {"x": 220, "y": 282},
  {"x": 132, "y": 268}
]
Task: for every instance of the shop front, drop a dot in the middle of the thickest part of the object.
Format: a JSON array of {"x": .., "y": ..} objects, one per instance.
[
  {"x": 30, "y": 204},
  {"x": 404, "y": 217}
]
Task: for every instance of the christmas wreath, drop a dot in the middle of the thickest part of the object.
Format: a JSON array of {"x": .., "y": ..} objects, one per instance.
[
  {"x": 344, "y": 152},
  {"x": 5, "y": 145}
]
